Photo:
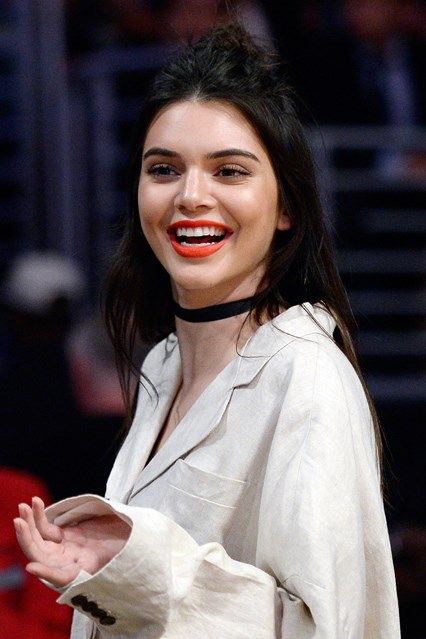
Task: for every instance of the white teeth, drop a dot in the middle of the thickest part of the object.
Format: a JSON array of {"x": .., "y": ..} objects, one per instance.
[
  {"x": 199, "y": 231},
  {"x": 197, "y": 245}
]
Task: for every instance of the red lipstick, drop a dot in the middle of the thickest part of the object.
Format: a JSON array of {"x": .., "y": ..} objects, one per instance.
[{"x": 196, "y": 250}]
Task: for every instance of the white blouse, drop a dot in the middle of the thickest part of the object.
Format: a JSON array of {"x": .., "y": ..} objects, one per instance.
[{"x": 260, "y": 517}]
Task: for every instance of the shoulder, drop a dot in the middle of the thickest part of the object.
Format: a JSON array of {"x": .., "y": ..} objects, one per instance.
[
  {"x": 308, "y": 367},
  {"x": 300, "y": 338},
  {"x": 312, "y": 362},
  {"x": 317, "y": 353}
]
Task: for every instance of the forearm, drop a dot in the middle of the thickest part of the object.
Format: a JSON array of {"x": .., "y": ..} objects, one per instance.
[{"x": 186, "y": 588}]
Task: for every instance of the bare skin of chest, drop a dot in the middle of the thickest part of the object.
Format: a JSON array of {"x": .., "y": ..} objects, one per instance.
[
  {"x": 197, "y": 381},
  {"x": 180, "y": 406}
]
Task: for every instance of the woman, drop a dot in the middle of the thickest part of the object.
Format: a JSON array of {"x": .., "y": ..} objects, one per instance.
[{"x": 245, "y": 501}]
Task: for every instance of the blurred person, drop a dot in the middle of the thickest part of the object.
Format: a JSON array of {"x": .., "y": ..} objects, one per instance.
[
  {"x": 96, "y": 388},
  {"x": 38, "y": 279},
  {"x": 93, "y": 372},
  {"x": 40, "y": 422},
  {"x": 370, "y": 74},
  {"x": 141, "y": 22},
  {"x": 167, "y": 20},
  {"x": 412, "y": 18},
  {"x": 387, "y": 66},
  {"x": 185, "y": 20},
  {"x": 246, "y": 499},
  {"x": 27, "y": 609}
]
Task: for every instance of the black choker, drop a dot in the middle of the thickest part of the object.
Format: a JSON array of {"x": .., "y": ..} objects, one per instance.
[{"x": 213, "y": 313}]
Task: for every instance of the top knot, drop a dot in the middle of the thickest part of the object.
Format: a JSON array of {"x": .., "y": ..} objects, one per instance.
[{"x": 233, "y": 37}]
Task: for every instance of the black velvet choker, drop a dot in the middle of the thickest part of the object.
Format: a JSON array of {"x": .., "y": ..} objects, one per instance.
[{"x": 213, "y": 313}]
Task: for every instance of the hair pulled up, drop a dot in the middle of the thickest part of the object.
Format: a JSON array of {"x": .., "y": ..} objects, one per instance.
[{"x": 228, "y": 65}]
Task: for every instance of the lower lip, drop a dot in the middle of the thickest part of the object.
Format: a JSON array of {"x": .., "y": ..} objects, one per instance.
[{"x": 197, "y": 251}]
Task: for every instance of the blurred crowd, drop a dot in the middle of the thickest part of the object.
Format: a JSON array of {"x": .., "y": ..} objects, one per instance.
[
  {"x": 61, "y": 414},
  {"x": 352, "y": 62}
]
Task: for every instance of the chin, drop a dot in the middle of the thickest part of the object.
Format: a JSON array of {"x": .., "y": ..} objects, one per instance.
[{"x": 197, "y": 283}]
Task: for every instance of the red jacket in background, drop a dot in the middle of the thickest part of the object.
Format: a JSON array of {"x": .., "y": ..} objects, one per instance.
[{"x": 27, "y": 608}]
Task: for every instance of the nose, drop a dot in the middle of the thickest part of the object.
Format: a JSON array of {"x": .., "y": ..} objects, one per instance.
[{"x": 194, "y": 192}]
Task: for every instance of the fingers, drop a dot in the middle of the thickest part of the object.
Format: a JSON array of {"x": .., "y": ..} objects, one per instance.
[
  {"x": 26, "y": 541},
  {"x": 26, "y": 514},
  {"x": 47, "y": 530},
  {"x": 40, "y": 529},
  {"x": 42, "y": 542},
  {"x": 35, "y": 534},
  {"x": 53, "y": 567}
]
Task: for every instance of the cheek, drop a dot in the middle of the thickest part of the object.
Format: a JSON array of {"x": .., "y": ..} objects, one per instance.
[
  {"x": 155, "y": 206},
  {"x": 257, "y": 208},
  {"x": 149, "y": 210},
  {"x": 259, "y": 222}
]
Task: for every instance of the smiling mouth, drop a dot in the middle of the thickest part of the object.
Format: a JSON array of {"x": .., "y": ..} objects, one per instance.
[
  {"x": 198, "y": 238},
  {"x": 200, "y": 235}
]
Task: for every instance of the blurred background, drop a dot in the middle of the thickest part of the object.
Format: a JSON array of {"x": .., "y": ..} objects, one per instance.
[{"x": 72, "y": 76}]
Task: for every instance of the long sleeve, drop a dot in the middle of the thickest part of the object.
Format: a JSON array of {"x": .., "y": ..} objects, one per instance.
[{"x": 163, "y": 584}]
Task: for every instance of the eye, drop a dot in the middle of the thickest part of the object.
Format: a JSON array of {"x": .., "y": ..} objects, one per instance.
[
  {"x": 161, "y": 170},
  {"x": 232, "y": 171}
]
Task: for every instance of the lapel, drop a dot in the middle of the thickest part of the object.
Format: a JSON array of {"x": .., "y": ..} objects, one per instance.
[
  {"x": 130, "y": 475},
  {"x": 204, "y": 415}
]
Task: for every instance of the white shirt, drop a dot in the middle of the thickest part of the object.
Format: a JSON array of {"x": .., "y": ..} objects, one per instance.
[{"x": 261, "y": 516}]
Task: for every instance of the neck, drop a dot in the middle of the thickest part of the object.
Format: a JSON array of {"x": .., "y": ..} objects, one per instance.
[{"x": 207, "y": 347}]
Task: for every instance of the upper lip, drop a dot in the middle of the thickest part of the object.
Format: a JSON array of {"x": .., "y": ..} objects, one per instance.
[{"x": 195, "y": 223}]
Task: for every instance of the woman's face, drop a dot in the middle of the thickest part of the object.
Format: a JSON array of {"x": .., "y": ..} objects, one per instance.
[{"x": 208, "y": 201}]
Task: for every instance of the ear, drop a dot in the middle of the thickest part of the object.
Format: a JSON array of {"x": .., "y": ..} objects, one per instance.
[{"x": 283, "y": 221}]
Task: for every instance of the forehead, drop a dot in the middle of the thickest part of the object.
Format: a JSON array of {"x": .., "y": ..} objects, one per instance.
[{"x": 204, "y": 126}]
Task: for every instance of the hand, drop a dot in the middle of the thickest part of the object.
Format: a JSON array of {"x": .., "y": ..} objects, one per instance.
[{"x": 58, "y": 554}]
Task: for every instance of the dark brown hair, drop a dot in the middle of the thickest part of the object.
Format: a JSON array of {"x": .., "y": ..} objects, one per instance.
[{"x": 227, "y": 65}]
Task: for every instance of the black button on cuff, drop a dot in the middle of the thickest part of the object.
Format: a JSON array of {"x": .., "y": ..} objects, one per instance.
[
  {"x": 79, "y": 600},
  {"x": 105, "y": 618},
  {"x": 90, "y": 606}
]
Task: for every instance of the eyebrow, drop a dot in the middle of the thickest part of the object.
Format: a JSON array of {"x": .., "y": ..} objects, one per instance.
[{"x": 224, "y": 153}]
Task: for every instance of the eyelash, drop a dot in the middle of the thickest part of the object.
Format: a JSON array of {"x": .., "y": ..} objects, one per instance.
[
  {"x": 154, "y": 170},
  {"x": 238, "y": 172},
  {"x": 236, "y": 169}
]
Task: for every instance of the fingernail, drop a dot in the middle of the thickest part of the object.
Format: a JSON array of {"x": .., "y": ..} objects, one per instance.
[{"x": 17, "y": 523}]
